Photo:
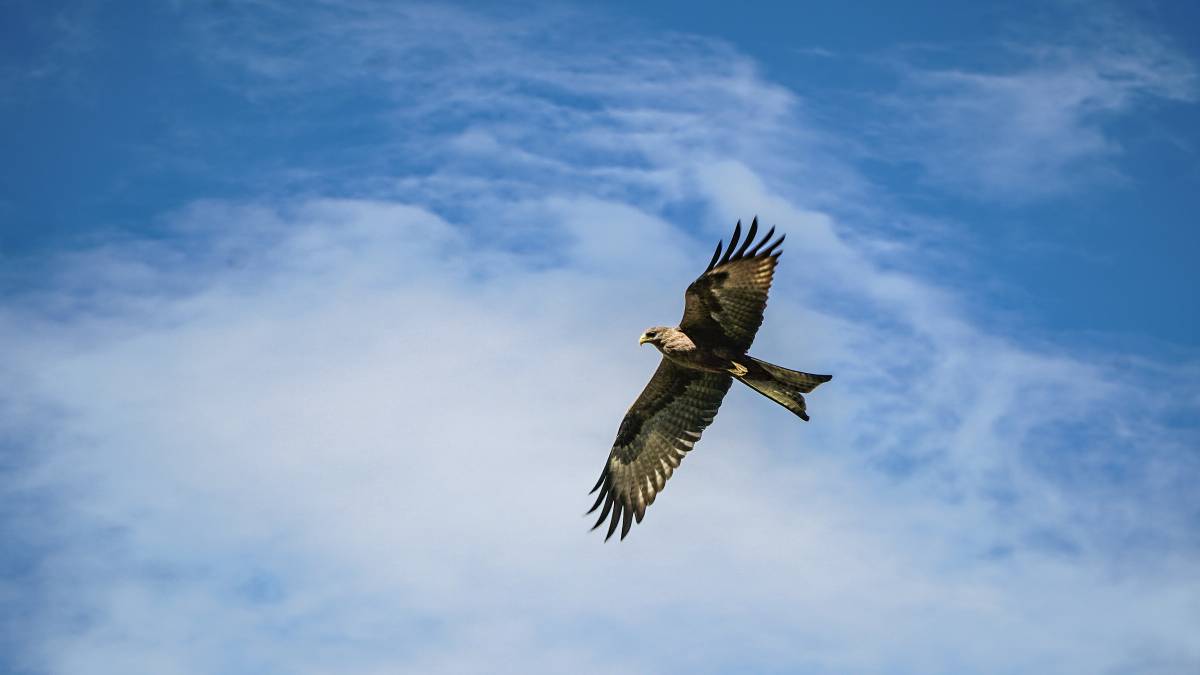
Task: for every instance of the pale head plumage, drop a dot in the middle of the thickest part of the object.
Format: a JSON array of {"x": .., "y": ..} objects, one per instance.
[{"x": 666, "y": 338}]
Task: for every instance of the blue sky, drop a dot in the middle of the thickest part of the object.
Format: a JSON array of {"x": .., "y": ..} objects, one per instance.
[{"x": 319, "y": 320}]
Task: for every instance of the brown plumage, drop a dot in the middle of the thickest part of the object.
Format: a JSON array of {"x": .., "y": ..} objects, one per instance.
[{"x": 722, "y": 312}]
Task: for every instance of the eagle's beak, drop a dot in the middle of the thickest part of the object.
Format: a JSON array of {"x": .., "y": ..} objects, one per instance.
[{"x": 643, "y": 340}]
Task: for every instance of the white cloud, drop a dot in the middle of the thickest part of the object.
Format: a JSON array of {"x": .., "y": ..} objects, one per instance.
[{"x": 316, "y": 434}]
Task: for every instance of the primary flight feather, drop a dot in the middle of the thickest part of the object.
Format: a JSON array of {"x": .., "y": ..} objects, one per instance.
[{"x": 701, "y": 357}]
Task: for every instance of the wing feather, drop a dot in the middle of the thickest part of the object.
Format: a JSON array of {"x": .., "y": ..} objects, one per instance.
[
  {"x": 724, "y": 307},
  {"x": 716, "y": 255},
  {"x": 749, "y": 238},
  {"x": 733, "y": 241},
  {"x": 661, "y": 426}
]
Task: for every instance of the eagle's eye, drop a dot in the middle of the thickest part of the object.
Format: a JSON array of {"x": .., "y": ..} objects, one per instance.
[{"x": 651, "y": 334}]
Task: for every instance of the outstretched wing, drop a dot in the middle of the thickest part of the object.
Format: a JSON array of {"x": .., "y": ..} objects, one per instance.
[
  {"x": 724, "y": 306},
  {"x": 661, "y": 426}
]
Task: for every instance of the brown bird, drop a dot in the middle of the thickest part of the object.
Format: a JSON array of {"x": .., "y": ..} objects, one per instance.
[{"x": 722, "y": 311}]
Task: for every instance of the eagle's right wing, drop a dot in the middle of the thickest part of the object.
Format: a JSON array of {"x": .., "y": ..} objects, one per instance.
[
  {"x": 660, "y": 427},
  {"x": 724, "y": 306}
]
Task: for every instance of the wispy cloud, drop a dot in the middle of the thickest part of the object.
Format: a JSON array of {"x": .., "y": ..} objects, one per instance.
[
  {"x": 1040, "y": 124},
  {"x": 305, "y": 433}
]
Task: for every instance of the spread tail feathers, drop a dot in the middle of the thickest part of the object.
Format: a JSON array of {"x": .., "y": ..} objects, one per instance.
[{"x": 785, "y": 387}]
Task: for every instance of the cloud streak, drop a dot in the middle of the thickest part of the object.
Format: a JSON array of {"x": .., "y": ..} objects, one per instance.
[{"x": 1043, "y": 126}]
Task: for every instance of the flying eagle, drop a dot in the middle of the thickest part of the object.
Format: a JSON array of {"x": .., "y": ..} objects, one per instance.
[{"x": 722, "y": 311}]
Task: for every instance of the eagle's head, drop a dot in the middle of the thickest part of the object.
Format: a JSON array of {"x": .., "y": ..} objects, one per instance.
[
  {"x": 654, "y": 335},
  {"x": 658, "y": 336}
]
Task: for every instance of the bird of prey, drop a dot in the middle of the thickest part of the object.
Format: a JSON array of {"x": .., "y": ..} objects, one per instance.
[{"x": 723, "y": 309}]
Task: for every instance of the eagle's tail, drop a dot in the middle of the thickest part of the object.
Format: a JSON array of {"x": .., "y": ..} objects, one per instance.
[{"x": 785, "y": 387}]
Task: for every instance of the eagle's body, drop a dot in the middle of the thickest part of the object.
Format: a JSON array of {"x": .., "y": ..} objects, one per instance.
[
  {"x": 701, "y": 358},
  {"x": 679, "y": 349}
]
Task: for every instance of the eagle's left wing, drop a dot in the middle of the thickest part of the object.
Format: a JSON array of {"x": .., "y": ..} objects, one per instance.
[{"x": 660, "y": 427}]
